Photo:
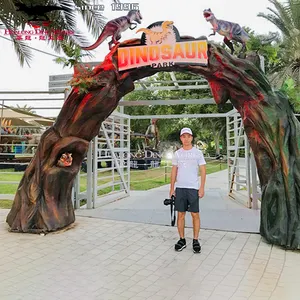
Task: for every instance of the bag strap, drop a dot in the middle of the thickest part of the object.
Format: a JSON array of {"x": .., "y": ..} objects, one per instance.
[{"x": 173, "y": 213}]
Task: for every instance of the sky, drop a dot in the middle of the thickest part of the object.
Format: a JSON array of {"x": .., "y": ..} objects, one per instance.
[{"x": 187, "y": 16}]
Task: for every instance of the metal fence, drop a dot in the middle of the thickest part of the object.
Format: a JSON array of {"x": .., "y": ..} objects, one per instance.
[
  {"x": 243, "y": 182},
  {"x": 109, "y": 152},
  {"x": 109, "y": 156}
]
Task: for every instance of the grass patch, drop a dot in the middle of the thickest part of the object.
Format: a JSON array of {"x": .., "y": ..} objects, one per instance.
[
  {"x": 139, "y": 179},
  {"x": 152, "y": 178},
  {"x": 6, "y": 204}
]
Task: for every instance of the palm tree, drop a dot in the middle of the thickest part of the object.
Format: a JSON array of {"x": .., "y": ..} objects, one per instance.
[
  {"x": 286, "y": 17},
  {"x": 11, "y": 19}
]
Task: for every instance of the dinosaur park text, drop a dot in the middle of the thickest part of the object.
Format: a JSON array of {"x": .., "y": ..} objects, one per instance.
[{"x": 159, "y": 56}]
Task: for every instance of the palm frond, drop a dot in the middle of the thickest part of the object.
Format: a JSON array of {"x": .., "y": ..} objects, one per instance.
[
  {"x": 60, "y": 20},
  {"x": 6, "y": 6},
  {"x": 70, "y": 14},
  {"x": 294, "y": 6},
  {"x": 23, "y": 52},
  {"x": 8, "y": 14},
  {"x": 94, "y": 20},
  {"x": 283, "y": 11},
  {"x": 281, "y": 16},
  {"x": 277, "y": 22},
  {"x": 286, "y": 17}
]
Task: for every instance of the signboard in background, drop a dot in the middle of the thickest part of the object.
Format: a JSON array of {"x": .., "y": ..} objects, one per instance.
[{"x": 162, "y": 47}]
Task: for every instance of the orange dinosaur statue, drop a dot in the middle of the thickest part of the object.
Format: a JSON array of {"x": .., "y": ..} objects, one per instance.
[{"x": 157, "y": 37}]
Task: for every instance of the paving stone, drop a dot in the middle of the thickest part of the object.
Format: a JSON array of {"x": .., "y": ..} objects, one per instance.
[{"x": 98, "y": 260}]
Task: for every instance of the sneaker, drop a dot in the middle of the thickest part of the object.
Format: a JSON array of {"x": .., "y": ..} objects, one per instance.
[
  {"x": 196, "y": 246},
  {"x": 180, "y": 245}
]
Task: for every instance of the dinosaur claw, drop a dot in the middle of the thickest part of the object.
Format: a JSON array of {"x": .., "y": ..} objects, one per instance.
[{"x": 133, "y": 27}]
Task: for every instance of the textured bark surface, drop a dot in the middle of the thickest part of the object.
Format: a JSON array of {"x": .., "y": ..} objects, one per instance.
[
  {"x": 272, "y": 129},
  {"x": 43, "y": 199}
]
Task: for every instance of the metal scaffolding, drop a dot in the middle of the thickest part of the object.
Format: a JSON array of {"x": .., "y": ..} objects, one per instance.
[{"x": 243, "y": 182}]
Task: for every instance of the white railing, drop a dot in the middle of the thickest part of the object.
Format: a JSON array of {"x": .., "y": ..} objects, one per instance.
[
  {"x": 20, "y": 134},
  {"x": 109, "y": 156},
  {"x": 243, "y": 183}
]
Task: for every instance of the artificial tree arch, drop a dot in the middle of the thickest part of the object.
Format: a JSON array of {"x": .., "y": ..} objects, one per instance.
[{"x": 43, "y": 200}]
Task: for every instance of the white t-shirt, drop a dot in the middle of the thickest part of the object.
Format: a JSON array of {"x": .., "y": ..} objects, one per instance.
[{"x": 188, "y": 162}]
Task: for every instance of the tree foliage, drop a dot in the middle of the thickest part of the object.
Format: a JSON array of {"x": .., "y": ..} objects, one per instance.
[
  {"x": 286, "y": 17},
  {"x": 74, "y": 55},
  {"x": 293, "y": 92},
  {"x": 208, "y": 130},
  {"x": 11, "y": 19}
]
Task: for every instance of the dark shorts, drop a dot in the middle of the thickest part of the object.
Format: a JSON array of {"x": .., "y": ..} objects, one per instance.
[{"x": 186, "y": 200}]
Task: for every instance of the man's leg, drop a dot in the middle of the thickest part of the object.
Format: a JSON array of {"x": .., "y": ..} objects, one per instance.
[
  {"x": 181, "y": 224},
  {"x": 181, "y": 244},
  {"x": 194, "y": 209},
  {"x": 180, "y": 207},
  {"x": 196, "y": 224}
]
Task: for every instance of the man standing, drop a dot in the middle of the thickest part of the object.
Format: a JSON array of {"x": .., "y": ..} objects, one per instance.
[{"x": 185, "y": 166}]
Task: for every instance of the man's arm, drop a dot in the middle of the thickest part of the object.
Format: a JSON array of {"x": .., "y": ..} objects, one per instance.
[
  {"x": 173, "y": 179},
  {"x": 203, "y": 179}
]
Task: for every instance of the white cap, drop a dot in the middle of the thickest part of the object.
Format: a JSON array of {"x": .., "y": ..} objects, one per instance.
[{"x": 186, "y": 130}]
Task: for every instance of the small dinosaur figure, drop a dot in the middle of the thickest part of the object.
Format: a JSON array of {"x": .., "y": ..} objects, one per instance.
[
  {"x": 115, "y": 27},
  {"x": 65, "y": 160},
  {"x": 230, "y": 31},
  {"x": 157, "y": 37},
  {"x": 38, "y": 12}
]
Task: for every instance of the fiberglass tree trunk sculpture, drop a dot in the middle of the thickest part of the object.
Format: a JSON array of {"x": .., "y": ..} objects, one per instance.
[
  {"x": 43, "y": 202},
  {"x": 43, "y": 199}
]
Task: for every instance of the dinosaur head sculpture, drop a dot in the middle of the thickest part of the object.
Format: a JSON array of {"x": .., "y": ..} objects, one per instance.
[
  {"x": 135, "y": 15},
  {"x": 167, "y": 25},
  {"x": 208, "y": 14}
]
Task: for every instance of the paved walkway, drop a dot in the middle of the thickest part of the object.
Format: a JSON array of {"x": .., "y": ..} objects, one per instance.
[
  {"x": 115, "y": 260},
  {"x": 218, "y": 211}
]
